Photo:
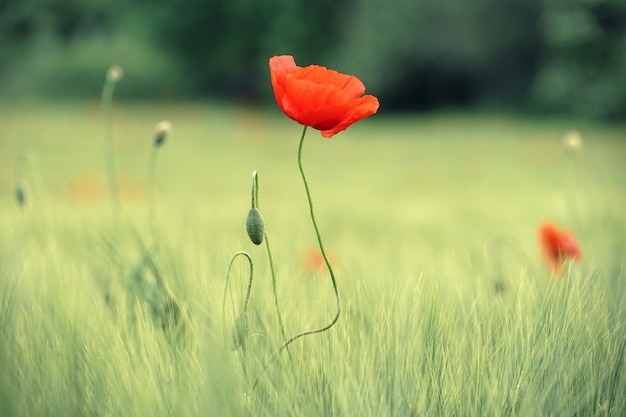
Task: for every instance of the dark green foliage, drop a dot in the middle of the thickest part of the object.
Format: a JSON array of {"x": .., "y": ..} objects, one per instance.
[
  {"x": 22, "y": 22},
  {"x": 224, "y": 44},
  {"x": 552, "y": 56},
  {"x": 430, "y": 53},
  {"x": 584, "y": 64}
]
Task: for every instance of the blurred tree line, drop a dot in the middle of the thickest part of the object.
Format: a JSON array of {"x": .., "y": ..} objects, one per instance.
[{"x": 548, "y": 56}]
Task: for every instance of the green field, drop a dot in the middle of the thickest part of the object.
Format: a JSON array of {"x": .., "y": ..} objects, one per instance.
[{"x": 431, "y": 220}]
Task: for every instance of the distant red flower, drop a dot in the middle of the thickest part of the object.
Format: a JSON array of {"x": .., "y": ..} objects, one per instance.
[
  {"x": 314, "y": 261},
  {"x": 557, "y": 246},
  {"x": 319, "y": 97}
]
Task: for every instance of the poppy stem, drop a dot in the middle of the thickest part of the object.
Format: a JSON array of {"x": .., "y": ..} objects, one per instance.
[
  {"x": 332, "y": 322},
  {"x": 106, "y": 103},
  {"x": 321, "y": 246},
  {"x": 240, "y": 329},
  {"x": 249, "y": 288},
  {"x": 151, "y": 193}
]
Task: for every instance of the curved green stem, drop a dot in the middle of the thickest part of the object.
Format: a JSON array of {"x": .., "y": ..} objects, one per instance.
[
  {"x": 248, "y": 290},
  {"x": 240, "y": 331},
  {"x": 328, "y": 265},
  {"x": 321, "y": 246}
]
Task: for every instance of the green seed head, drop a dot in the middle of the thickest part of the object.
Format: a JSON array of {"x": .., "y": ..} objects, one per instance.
[{"x": 255, "y": 226}]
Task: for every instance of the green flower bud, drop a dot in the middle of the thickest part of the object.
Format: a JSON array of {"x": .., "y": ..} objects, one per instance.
[
  {"x": 161, "y": 132},
  {"x": 115, "y": 74},
  {"x": 255, "y": 226}
]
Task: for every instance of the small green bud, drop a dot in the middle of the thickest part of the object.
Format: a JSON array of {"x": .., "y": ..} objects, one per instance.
[
  {"x": 572, "y": 142},
  {"x": 161, "y": 132},
  {"x": 115, "y": 74},
  {"x": 255, "y": 226}
]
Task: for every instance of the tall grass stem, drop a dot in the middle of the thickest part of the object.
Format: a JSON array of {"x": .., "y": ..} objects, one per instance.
[
  {"x": 107, "y": 104},
  {"x": 151, "y": 193}
]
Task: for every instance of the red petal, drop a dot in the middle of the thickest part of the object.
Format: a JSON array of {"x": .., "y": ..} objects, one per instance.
[
  {"x": 352, "y": 86},
  {"x": 313, "y": 104},
  {"x": 365, "y": 107},
  {"x": 549, "y": 242},
  {"x": 569, "y": 246},
  {"x": 282, "y": 63}
]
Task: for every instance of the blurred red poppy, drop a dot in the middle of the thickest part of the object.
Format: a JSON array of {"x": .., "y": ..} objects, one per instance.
[
  {"x": 557, "y": 246},
  {"x": 319, "y": 97},
  {"x": 314, "y": 261}
]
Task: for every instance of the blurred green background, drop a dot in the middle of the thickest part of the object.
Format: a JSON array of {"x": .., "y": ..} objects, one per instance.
[{"x": 565, "y": 57}]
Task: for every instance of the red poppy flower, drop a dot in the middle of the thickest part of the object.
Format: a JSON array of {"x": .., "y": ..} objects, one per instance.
[
  {"x": 314, "y": 261},
  {"x": 319, "y": 97},
  {"x": 557, "y": 246}
]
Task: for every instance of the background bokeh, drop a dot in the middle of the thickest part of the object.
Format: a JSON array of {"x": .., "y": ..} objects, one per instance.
[{"x": 563, "y": 57}]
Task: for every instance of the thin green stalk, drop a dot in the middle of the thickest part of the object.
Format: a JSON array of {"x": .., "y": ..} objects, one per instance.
[
  {"x": 321, "y": 246},
  {"x": 151, "y": 193},
  {"x": 240, "y": 330},
  {"x": 571, "y": 199},
  {"x": 107, "y": 100},
  {"x": 248, "y": 290},
  {"x": 269, "y": 256}
]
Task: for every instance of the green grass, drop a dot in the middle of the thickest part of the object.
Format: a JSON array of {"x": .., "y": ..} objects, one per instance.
[{"x": 431, "y": 220}]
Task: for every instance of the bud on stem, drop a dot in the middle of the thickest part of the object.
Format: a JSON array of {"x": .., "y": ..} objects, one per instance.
[
  {"x": 162, "y": 131},
  {"x": 255, "y": 225}
]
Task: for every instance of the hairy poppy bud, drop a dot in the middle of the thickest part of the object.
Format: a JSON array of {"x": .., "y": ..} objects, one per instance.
[
  {"x": 255, "y": 226},
  {"x": 240, "y": 332},
  {"x": 161, "y": 132}
]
